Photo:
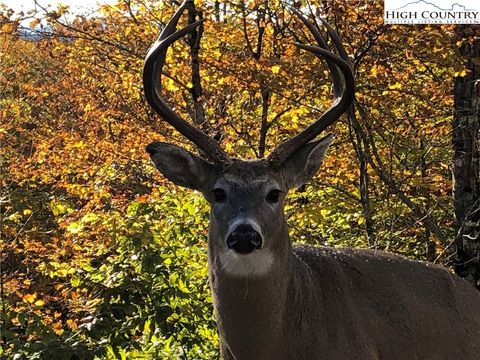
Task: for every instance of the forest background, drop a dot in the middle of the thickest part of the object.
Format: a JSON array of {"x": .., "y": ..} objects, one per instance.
[{"x": 104, "y": 258}]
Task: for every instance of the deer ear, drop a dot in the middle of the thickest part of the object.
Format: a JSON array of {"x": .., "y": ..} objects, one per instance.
[
  {"x": 180, "y": 166},
  {"x": 305, "y": 162}
]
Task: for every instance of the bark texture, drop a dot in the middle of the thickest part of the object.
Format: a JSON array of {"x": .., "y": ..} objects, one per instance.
[{"x": 466, "y": 160}]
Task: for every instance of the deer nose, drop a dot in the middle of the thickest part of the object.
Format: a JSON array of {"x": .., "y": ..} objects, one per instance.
[{"x": 244, "y": 239}]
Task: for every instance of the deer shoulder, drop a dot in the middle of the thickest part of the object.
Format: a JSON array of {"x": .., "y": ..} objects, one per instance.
[{"x": 389, "y": 306}]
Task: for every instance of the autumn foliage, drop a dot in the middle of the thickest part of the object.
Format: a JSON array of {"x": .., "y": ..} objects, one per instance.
[{"x": 102, "y": 257}]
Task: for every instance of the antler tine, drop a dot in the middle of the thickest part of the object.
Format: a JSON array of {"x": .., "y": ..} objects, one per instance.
[
  {"x": 340, "y": 104},
  {"x": 336, "y": 41},
  {"x": 337, "y": 81},
  {"x": 152, "y": 73}
]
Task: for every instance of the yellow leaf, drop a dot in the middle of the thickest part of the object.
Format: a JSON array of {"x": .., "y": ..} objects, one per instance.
[
  {"x": 30, "y": 298},
  {"x": 75, "y": 227},
  {"x": 61, "y": 272},
  {"x": 182, "y": 287},
  {"x": 80, "y": 144},
  {"x": 276, "y": 69},
  {"x": 39, "y": 303},
  {"x": 396, "y": 86},
  {"x": 7, "y": 28},
  {"x": 324, "y": 212}
]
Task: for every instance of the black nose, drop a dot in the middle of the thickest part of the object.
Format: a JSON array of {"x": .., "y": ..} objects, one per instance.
[{"x": 244, "y": 239}]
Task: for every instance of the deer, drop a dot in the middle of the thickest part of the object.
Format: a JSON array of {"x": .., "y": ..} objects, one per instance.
[{"x": 274, "y": 300}]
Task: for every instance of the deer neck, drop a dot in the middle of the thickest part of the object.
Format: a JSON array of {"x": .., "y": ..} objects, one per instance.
[{"x": 247, "y": 306}]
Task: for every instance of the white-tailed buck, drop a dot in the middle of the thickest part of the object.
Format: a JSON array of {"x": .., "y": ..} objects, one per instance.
[{"x": 277, "y": 301}]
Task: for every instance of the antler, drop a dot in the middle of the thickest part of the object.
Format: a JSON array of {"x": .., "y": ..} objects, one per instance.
[
  {"x": 152, "y": 73},
  {"x": 344, "y": 95}
]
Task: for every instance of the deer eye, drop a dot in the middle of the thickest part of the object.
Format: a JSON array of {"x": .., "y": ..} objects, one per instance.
[
  {"x": 273, "y": 196},
  {"x": 219, "y": 195}
]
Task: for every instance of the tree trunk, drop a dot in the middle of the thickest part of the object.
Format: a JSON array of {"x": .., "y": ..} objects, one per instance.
[{"x": 466, "y": 161}]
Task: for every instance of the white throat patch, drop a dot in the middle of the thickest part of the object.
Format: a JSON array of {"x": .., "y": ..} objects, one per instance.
[{"x": 257, "y": 263}]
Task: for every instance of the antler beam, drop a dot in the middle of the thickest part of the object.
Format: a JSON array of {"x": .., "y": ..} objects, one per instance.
[
  {"x": 152, "y": 73},
  {"x": 344, "y": 95}
]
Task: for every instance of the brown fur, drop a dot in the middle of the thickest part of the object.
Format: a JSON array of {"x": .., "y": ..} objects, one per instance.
[{"x": 334, "y": 304}]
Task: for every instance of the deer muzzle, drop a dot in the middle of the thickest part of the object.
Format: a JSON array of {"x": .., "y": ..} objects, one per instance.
[{"x": 244, "y": 239}]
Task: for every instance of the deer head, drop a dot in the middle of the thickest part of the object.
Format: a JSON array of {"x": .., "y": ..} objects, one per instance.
[{"x": 246, "y": 196}]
